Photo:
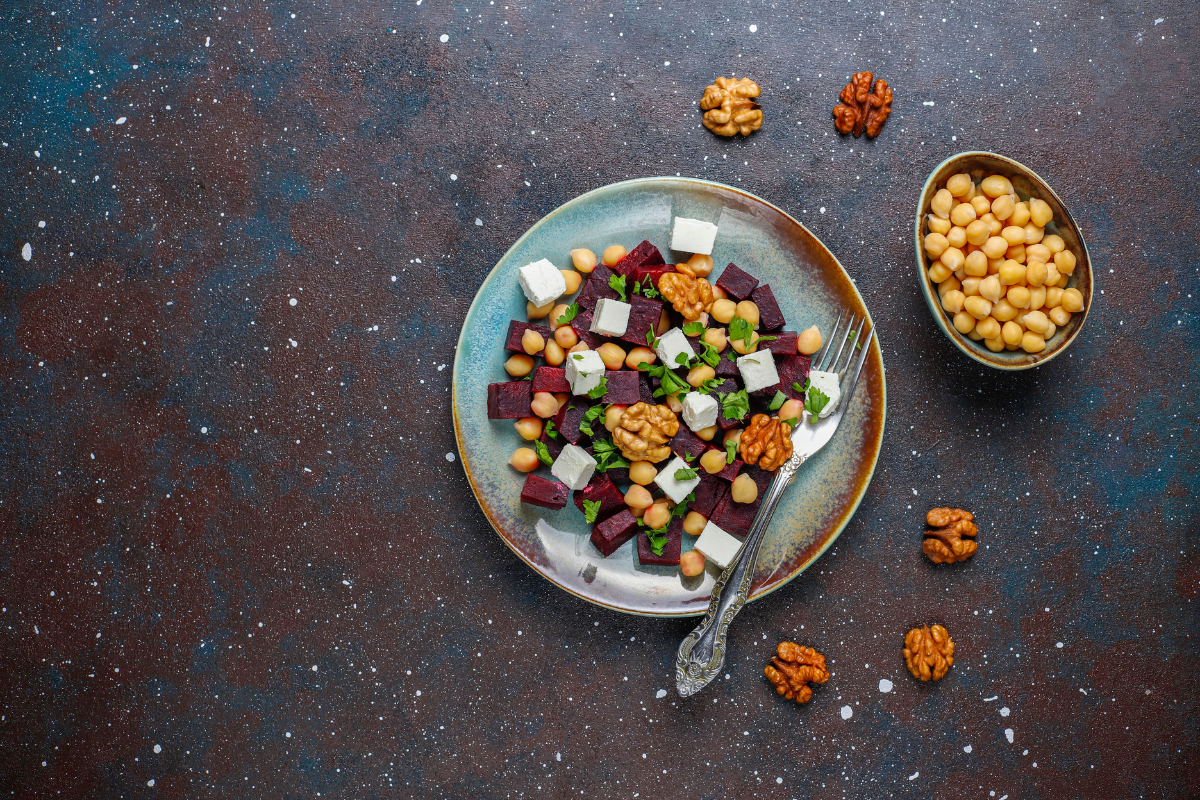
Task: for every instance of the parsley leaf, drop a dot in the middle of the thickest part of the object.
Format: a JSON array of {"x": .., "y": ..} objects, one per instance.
[
  {"x": 528, "y": 377},
  {"x": 710, "y": 355},
  {"x": 731, "y": 447},
  {"x": 656, "y": 536},
  {"x": 791, "y": 421},
  {"x": 685, "y": 474},
  {"x": 608, "y": 455},
  {"x": 577, "y": 356},
  {"x": 549, "y": 429},
  {"x": 543, "y": 454},
  {"x": 804, "y": 388},
  {"x": 597, "y": 391},
  {"x": 569, "y": 315},
  {"x": 645, "y": 287},
  {"x": 651, "y": 339},
  {"x": 682, "y": 508},
  {"x": 710, "y": 385},
  {"x": 682, "y": 360},
  {"x": 590, "y": 416},
  {"x": 692, "y": 329},
  {"x": 816, "y": 402},
  {"x": 732, "y": 355},
  {"x": 740, "y": 329},
  {"x": 735, "y": 405},
  {"x": 779, "y": 399},
  {"x": 689, "y": 457},
  {"x": 617, "y": 284},
  {"x": 591, "y": 510},
  {"x": 854, "y": 339}
]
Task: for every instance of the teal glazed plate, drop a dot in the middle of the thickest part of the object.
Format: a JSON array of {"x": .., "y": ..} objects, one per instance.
[{"x": 811, "y": 288}]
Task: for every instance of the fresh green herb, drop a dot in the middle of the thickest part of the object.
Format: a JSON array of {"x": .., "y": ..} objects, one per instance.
[
  {"x": 569, "y": 315},
  {"x": 791, "y": 421},
  {"x": 804, "y": 388},
  {"x": 682, "y": 360},
  {"x": 617, "y": 284},
  {"x": 684, "y": 474},
  {"x": 692, "y": 329},
  {"x": 528, "y": 377},
  {"x": 710, "y": 355},
  {"x": 597, "y": 391},
  {"x": 779, "y": 399},
  {"x": 735, "y": 405},
  {"x": 651, "y": 339},
  {"x": 682, "y": 508},
  {"x": 577, "y": 356},
  {"x": 709, "y": 386},
  {"x": 645, "y": 287},
  {"x": 608, "y": 455},
  {"x": 591, "y": 510},
  {"x": 740, "y": 329},
  {"x": 689, "y": 457},
  {"x": 549, "y": 429},
  {"x": 731, "y": 447},
  {"x": 590, "y": 416},
  {"x": 732, "y": 355},
  {"x": 816, "y": 402},
  {"x": 854, "y": 339},
  {"x": 543, "y": 454},
  {"x": 657, "y": 539},
  {"x": 669, "y": 382}
]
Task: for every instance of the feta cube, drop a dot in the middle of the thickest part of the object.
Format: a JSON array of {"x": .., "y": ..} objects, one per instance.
[
  {"x": 827, "y": 383},
  {"x": 611, "y": 317},
  {"x": 693, "y": 236},
  {"x": 542, "y": 282},
  {"x": 670, "y": 345},
  {"x": 574, "y": 467},
  {"x": 718, "y": 546},
  {"x": 675, "y": 489},
  {"x": 758, "y": 370},
  {"x": 585, "y": 370},
  {"x": 699, "y": 410}
]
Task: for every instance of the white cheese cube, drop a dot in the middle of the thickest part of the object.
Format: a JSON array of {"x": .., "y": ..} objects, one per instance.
[
  {"x": 677, "y": 490},
  {"x": 585, "y": 370},
  {"x": 670, "y": 345},
  {"x": 827, "y": 383},
  {"x": 699, "y": 410},
  {"x": 718, "y": 546},
  {"x": 574, "y": 467},
  {"x": 611, "y": 317},
  {"x": 542, "y": 282},
  {"x": 758, "y": 370},
  {"x": 693, "y": 236}
]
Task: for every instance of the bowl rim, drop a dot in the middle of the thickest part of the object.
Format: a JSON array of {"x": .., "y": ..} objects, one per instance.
[{"x": 939, "y": 314}]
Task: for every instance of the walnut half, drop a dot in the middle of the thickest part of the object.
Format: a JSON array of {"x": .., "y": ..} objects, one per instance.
[
  {"x": 767, "y": 441},
  {"x": 794, "y": 668},
  {"x": 945, "y": 543},
  {"x": 644, "y": 432},
  {"x": 861, "y": 109},
  {"x": 928, "y": 652},
  {"x": 728, "y": 109},
  {"x": 689, "y": 295}
]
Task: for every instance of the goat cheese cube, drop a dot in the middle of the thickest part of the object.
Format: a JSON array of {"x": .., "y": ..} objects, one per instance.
[
  {"x": 670, "y": 345},
  {"x": 699, "y": 410},
  {"x": 611, "y": 317},
  {"x": 585, "y": 370},
  {"x": 574, "y": 467},
  {"x": 718, "y": 546},
  {"x": 542, "y": 282},
  {"x": 677, "y": 490},
  {"x": 693, "y": 236},
  {"x": 827, "y": 383},
  {"x": 758, "y": 370}
]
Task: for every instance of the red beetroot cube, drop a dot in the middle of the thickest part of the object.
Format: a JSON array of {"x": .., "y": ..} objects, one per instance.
[
  {"x": 582, "y": 325},
  {"x": 731, "y": 469},
  {"x": 645, "y": 390},
  {"x": 554, "y": 444},
  {"x": 644, "y": 255},
  {"x": 708, "y": 493},
  {"x": 602, "y": 490},
  {"x": 648, "y": 276},
  {"x": 728, "y": 386},
  {"x": 568, "y": 419},
  {"x": 623, "y": 387},
  {"x": 726, "y": 368},
  {"x": 613, "y": 532},
  {"x": 670, "y": 551},
  {"x": 737, "y": 282},
  {"x": 792, "y": 369},
  {"x": 595, "y": 288},
  {"x": 544, "y": 492},
  {"x": 509, "y": 400},
  {"x": 517, "y": 329},
  {"x": 550, "y": 379},
  {"x": 770, "y": 318},
  {"x": 643, "y": 316},
  {"x": 687, "y": 445},
  {"x": 784, "y": 343},
  {"x": 734, "y": 518}
]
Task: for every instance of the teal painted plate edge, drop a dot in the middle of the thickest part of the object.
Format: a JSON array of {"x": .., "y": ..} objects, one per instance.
[{"x": 563, "y": 557}]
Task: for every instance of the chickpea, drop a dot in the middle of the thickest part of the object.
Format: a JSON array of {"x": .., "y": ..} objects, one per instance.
[
  {"x": 613, "y": 254},
  {"x": 975, "y": 264},
  {"x": 809, "y": 341},
  {"x": 748, "y": 311},
  {"x": 953, "y": 301},
  {"x": 693, "y": 523},
  {"x": 1053, "y": 296},
  {"x": 537, "y": 312},
  {"x": 935, "y": 244},
  {"x": 566, "y": 337},
  {"x": 642, "y": 472},
  {"x": 1059, "y": 316},
  {"x": 518, "y": 365},
  {"x": 957, "y": 237},
  {"x": 1012, "y": 273},
  {"x": 1020, "y": 216},
  {"x": 1054, "y": 243},
  {"x": 981, "y": 204},
  {"x": 1011, "y": 333},
  {"x": 974, "y": 336},
  {"x": 637, "y": 512},
  {"x": 995, "y": 247},
  {"x": 612, "y": 416},
  {"x": 583, "y": 259},
  {"x": 988, "y": 328},
  {"x": 524, "y": 459},
  {"x": 529, "y": 428},
  {"x": 674, "y": 404},
  {"x": 1040, "y": 212},
  {"x": 948, "y": 284},
  {"x": 1003, "y": 206},
  {"x": 713, "y": 461},
  {"x": 723, "y": 311},
  {"x": 1065, "y": 261},
  {"x": 1013, "y": 235},
  {"x": 719, "y": 293},
  {"x": 532, "y": 342},
  {"x": 657, "y": 515},
  {"x": 1050, "y": 331},
  {"x": 1003, "y": 310},
  {"x": 1016, "y": 253},
  {"x": 716, "y": 337},
  {"x": 708, "y": 433},
  {"x": 958, "y": 185},
  {"x": 1062, "y": 281},
  {"x": 1052, "y": 275},
  {"x": 1018, "y": 296},
  {"x": 691, "y": 563},
  {"x": 640, "y": 355},
  {"x": 1072, "y": 300},
  {"x": 1038, "y": 252},
  {"x": 970, "y": 286},
  {"x": 1033, "y": 234},
  {"x": 994, "y": 265},
  {"x": 995, "y": 345},
  {"x": 701, "y": 264},
  {"x": 612, "y": 355},
  {"x": 1032, "y": 342},
  {"x": 561, "y": 398},
  {"x": 939, "y": 272},
  {"x": 972, "y": 193},
  {"x": 544, "y": 405},
  {"x": 579, "y": 347},
  {"x": 573, "y": 279},
  {"x": 1035, "y": 273},
  {"x": 994, "y": 224},
  {"x": 638, "y": 497},
  {"x": 734, "y": 434},
  {"x": 1037, "y": 297},
  {"x": 791, "y": 409},
  {"x": 937, "y": 224},
  {"x": 739, "y": 345},
  {"x": 977, "y": 307},
  {"x": 978, "y": 232},
  {"x": 990, "y": 289},
  {"x": 996, "y": 185},
  {"x": 953, "y": 258},
  {"x": 941, "y": 204},
  {"x": 664, "y": 324},
  {"x": 557, "y": 313},
  {"x": 964, "y": 322},
  {"x": 554, "y": 354},
  {"x": 743, "y": 489},
  {"x": 698, "y": 375},
  {"x": 962, "y": 214}
]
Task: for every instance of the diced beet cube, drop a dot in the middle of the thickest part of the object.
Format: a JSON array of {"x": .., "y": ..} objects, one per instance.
[
  {"x": 643, "y": 316},
  {"x": 568, "y": 418},
  {"x": 509, "y": 400},
  {"x": 725, "y": 423},
  {"x": 595, "y": 288},
  {"x": 770, "y": 318},
  {"x": 582, "y": 325},
  {"x": 761, "y": 478},
  {"x": 544, "y": 492},
  {"x": 623, "y": 387},
  {"x": 792, "y": 369},
  {"x": 731, "y": 470},
  {"x": 737, "y": 282},
  {"x": 618, "y": 474},
  {"x": 652, "y": 274},
  {"x": 644, "y": 255},
  {"x": 765, "y": 394},
  {"x": 516, "y": 330},
  {"x": 550, "y": 379},
  {"x": 784, "y": 343},
  {"x": 735, "y": 518},
  {"x": 645, "y": 390},
  {"x": 708, "y": 493},
  {"x": 685, "y": 444},
  {"x": 726, "y": 368},
  {"x": 613, "y": 532},
  {"x": 602, "y": 490},
  {"x": 554, "y": 444},
  {"x": 694, "y": 341},
  {"x": 670, "y": 551}
]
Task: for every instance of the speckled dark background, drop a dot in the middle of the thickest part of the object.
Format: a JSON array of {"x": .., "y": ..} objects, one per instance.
[{"x": 237, "y": 560}]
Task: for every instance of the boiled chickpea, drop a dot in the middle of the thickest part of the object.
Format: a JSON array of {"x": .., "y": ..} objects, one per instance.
[
  {"x": 1013, "y": 235},
  {"x": 962, "y": 214},
  {"x": 748, "y": 311},
  {"x": 977, "y": 307},
  {"x": 701, "y": 264},
  {"x": 537, "y": 312},
  {"x": 636, "y": 512},
  {"x": 1016, "y": 253},
  {"x": 988, "y": 328},
  {"x": 975, "y": 264},
  {"x": 544, "y": 405},
  {"x": 935, "y": 244},
  {"x": 562, "y": 398},
  {"x": 1003, "y": 310},
  {"x": 524, "y": 459},
  {"x": 996, "y": 185},
  {"x": 1065, "y": 261},
  {"x": 1062, "y": 281},
  {"x": 573, "y": 279},
  {"x": 739, "y": 345},
  {"x": 1040, "y": 212},
  {"x": 698, "y": 375},
  {"x": 579, "y": 347},
  {"x": 1059, "y": 316},
  {"x": 941, "y": 204},
  {"x": 953, "y": 258},
  {"x": 640, "y": 355},
  {"x": 994, "y": 224},
  {"x": 664, "y": 324},
  {"x": 978, "y": 232},
  {"x": 1033, "y": 234},
  {"x": 1011, "y": 333},
  {"x": 674, "y": 404},
  {"x": 1052, "y": 276},
  {"x": 716, "y": 337},
  {"x": 1037, "y": 297},
  {"x": 939, "y": 272},
  {"x": 612, "y": 355},
  {"x": 642, "y": 472},
  {"x": 995, "y": 345},
  {"x": 1032, "y": 342},
  {"x": 1011, "y": 272},
  {"x": 1072, "y": 300},
  {"x": 529, "y": 428},
  {"x": 657, "y": 515},
  {"x": 953, "y": 301},
  {"x": 638, "y": 497},
  {"x": 1003, "y": 206},
  {"x": 557, "y": 313},
  {"x": 708, "y": 433},
  {"x": 1018, "y": 296},
  {"x": 994, "y": 264},
  {"x": 990, "y": 288},
  {"x": 554, "y": 354},
  {"x": 583, "y": 259},
  {"x": 1054, "y": 243},
  {"x": 743, "y": 489},
  {"x": 957, "y": 237},
  {"x": 519, "y": 365},
  {"x": 693, "y": 523},
  {"x": 970, "y": 286},
  {"x": 734, "y": 435},
  {"x": 719, "y": 293},
  {"x": 964, "y": 322},
  {"x": 613, "y": 254},
  {"x": 612, "y": 416},
  {"x": 1053, "y": 296},
  {"x": 974, "y": 336},
  {"x": 981, "y": 204},
  {"x": 948, "y": 284},
  {"x": 691, "y": 563},
  {"x": 1038, "y": 252},
  {"x": 566, "y": 337},
  {"x": 972, "y": 193},
  {"x": 809, "y": 341},
  {"x": 713, "y": 461},
  {"x": 938, "y": 225},
  {"x": 995, "y": 247},
  {"x": 1035, "y": 273},
  {"x": 959, "y": 185},
  {"x": 532, "y": 342},
  {"x": 790, "y": 409},
  {"x": 1020, "y": 216}
]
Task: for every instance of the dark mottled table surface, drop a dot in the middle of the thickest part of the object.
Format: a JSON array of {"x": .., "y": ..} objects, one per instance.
[{"x": 238, "y": 556}]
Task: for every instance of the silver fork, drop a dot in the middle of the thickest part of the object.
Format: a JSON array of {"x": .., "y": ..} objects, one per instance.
[{"x": 702, "y": 653}]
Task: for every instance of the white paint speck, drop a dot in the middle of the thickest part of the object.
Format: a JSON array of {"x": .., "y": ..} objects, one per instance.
[
  {"x": 450, "y": 457},
  {"x": 885, "y": 685},
  {"x": 158, "y": 748},
  {"x": 120, "y": 120},
  {"x": 207, "y": 41},
  {"x": 847, "y": 712},
  {"x": 150, "y": 783},
  {"x": 204, "y": 429},
  {"x": 27, "y": 252},
  {"x": 1160, "y": 19},
  {"x": 927, "y": 103},
  {"x": 967, "y": 749},
  {"x": 293, "y": 302},
  {"x": 914, "y": 776},
  {"x": 779, "y": 780},
  {"x": 1059, "y": 645},
  {"x": 479, "y": 222},
  {"x": 1008, "y": 734},
  {"x": 754, "y": 29},
  {"x": 314, "y": 669},
  {"x": 660, "y": 694},
  {"x": 293, "y": 343},
  {"x": 418, "y": 692},
  {"x": 443, "y": 38},
  {"x": 41, "y": 223},
  {"x": 289, "y": 733},
  {"x": 1004, "y": 712},
  {"x": 822, "y": 209}
]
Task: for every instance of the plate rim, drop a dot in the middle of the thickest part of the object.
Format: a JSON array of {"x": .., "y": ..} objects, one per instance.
[{"x": 458, "y": 435}]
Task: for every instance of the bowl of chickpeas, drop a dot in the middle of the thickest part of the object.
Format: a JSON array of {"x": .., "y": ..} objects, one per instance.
[{"x": 1001, "y": 262}]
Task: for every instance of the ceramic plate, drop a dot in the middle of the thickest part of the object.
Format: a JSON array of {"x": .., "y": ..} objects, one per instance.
[{"x": 810, "y": 286}]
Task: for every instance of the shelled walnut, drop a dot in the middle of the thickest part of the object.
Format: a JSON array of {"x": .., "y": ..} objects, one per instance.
[
  {"x": 861, "y": 109},
  {"x": 766, "y": 442},
  {"x": 945, "y": 543},
  {"x": 644, "y": 431},
  {"x": 794, "y": 668},
  {"x": 690, "y": 296},
  {"x": 728, "y": 109},
  {"x": 928, "y": 652}
]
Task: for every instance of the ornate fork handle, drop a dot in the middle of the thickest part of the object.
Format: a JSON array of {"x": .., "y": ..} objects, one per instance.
[{"x": 702, "y": 653}]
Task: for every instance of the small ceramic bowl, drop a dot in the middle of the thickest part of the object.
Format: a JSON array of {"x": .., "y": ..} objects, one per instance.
[{"x": 1027, "y": 183}]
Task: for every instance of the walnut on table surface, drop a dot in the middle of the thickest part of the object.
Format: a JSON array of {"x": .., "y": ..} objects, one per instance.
[
  {"x": 945, "y": 543},
  {"x": 644, "y": 432},
  {"x": 794, "y": 668},
  {"x": 862, "y": 110},
  {"x": 928, "y": 652},
  {"x": 767, "y": 441},
  {"x": 728, "y": 109},
  {"x": 689, "y": 295}
]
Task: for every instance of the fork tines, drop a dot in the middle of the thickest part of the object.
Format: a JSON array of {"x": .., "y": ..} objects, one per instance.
[{"x": 845, "y": 344}]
